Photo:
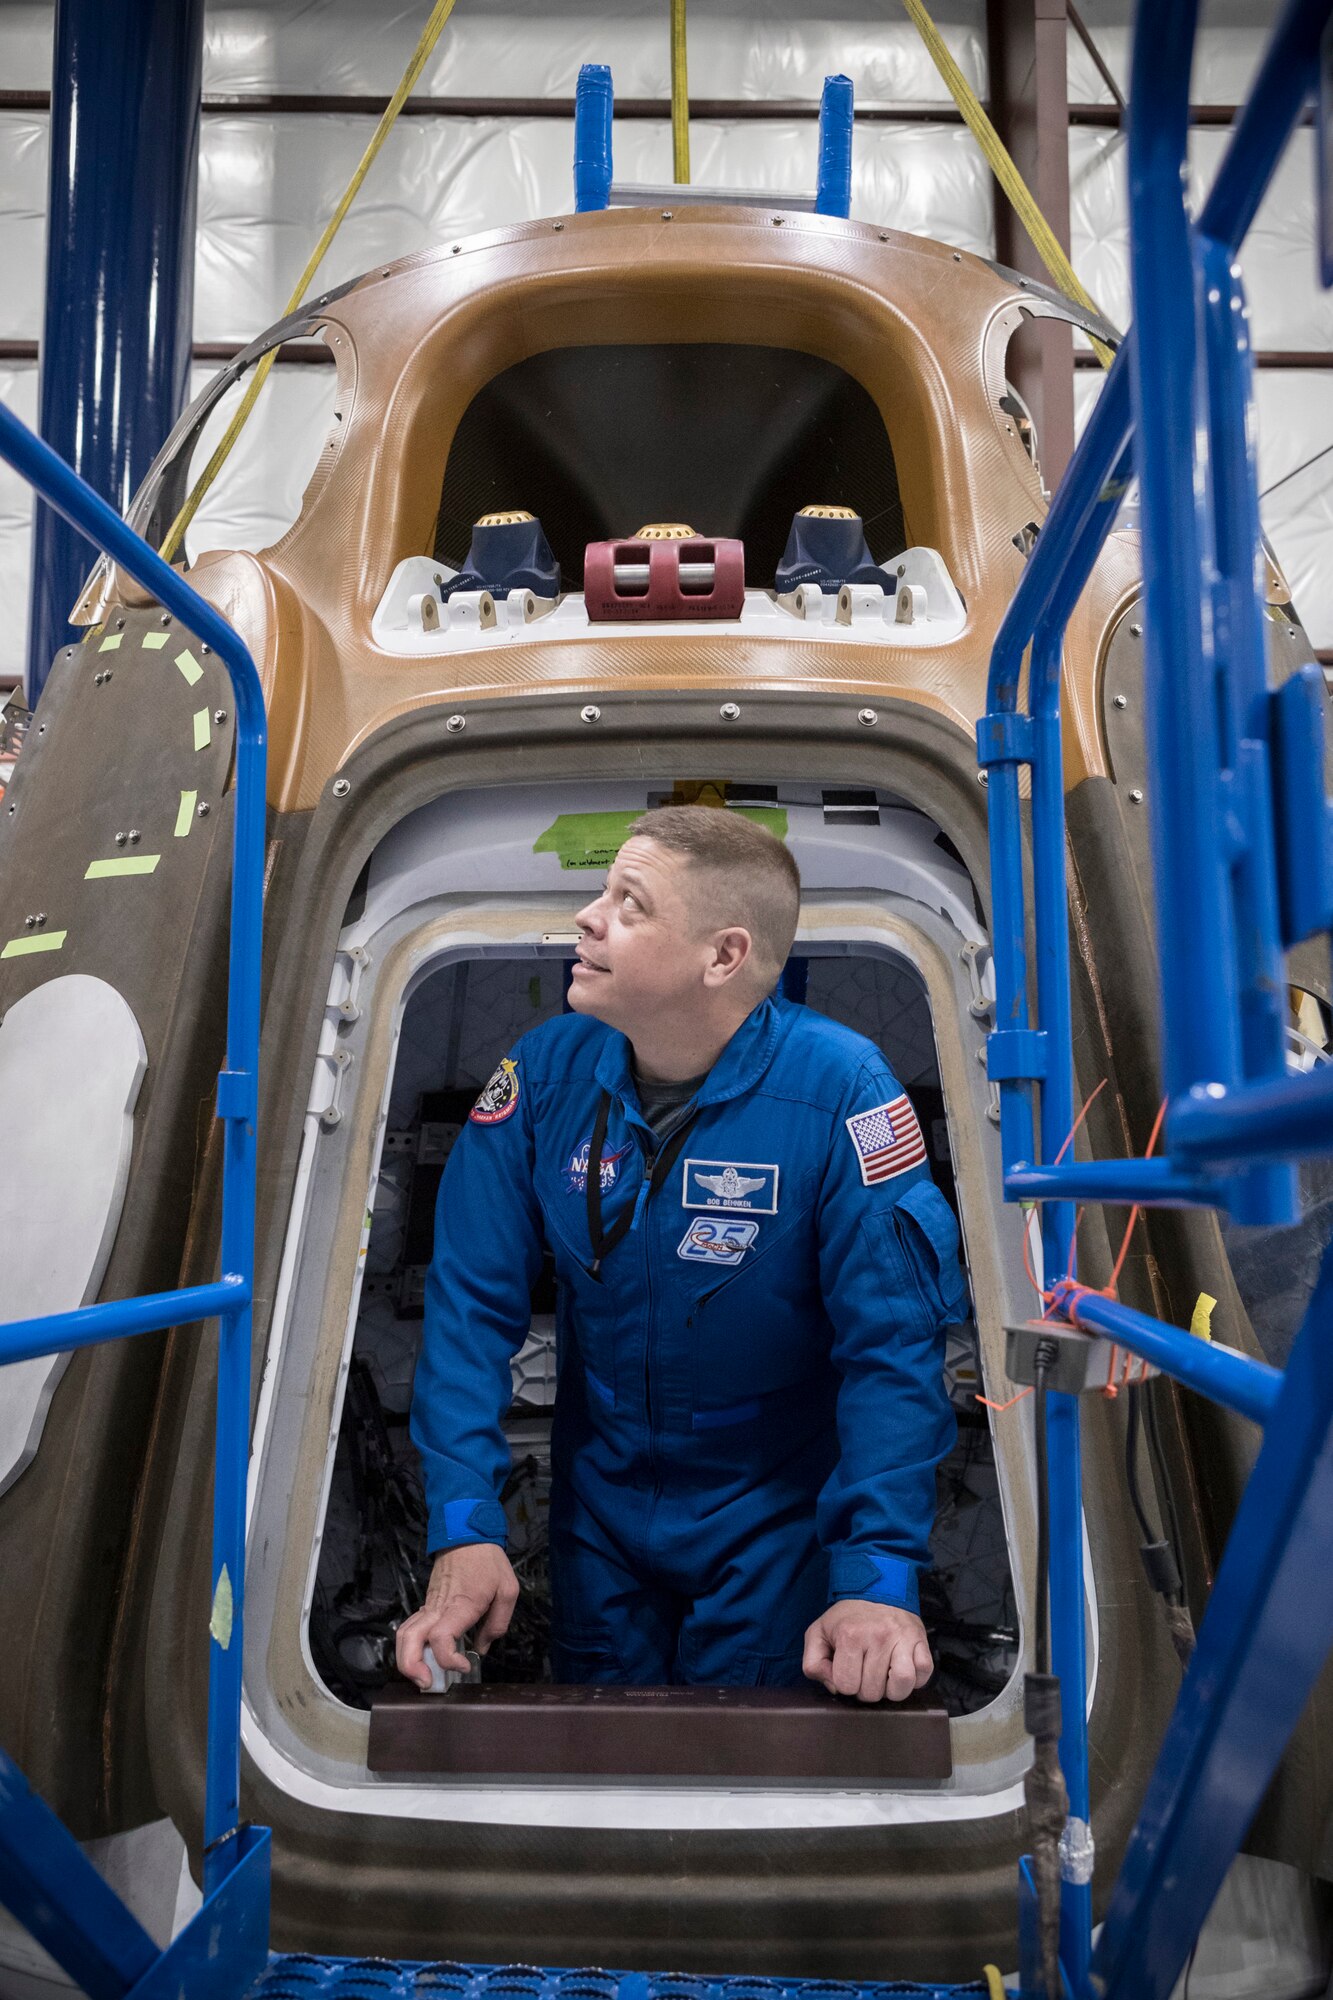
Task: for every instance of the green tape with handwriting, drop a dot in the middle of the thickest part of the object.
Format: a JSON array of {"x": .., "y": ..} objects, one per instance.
[{"x": 593, "y": 840}]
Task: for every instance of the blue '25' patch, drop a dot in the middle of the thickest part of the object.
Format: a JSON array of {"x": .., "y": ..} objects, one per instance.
[{"x": 713, "y": 1240}]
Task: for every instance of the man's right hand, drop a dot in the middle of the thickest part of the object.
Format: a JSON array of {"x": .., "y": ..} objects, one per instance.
[{"x": 471, "y": 1586}]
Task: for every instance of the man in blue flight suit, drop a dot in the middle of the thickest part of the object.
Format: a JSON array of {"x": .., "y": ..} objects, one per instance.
[{"x": 754, "y": 1271}]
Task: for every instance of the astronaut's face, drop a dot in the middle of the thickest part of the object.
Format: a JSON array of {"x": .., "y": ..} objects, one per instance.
[{"x": 642, "y": 953}]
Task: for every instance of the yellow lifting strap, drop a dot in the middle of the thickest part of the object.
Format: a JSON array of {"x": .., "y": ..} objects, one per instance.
[
  {"x": 430, "y": 34},
  {"x": 680, "y": 97},
  {"x": 1001, "y": 164}
]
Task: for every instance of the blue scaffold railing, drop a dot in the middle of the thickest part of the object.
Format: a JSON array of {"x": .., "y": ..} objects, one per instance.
[
  {"x": 48, "y": 1882},
  {"x": 1241, "y": 845}
]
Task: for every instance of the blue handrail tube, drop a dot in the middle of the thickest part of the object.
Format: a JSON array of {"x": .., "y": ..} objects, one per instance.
[
  {"x": 1249, "y": 1387},
  {"x": 237, "y": 1104},
  {"x": 593, "y": 110},
  {"x": 833, "y": 187}
]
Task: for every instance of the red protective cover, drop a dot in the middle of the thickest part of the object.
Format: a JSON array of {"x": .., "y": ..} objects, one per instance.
[{"x": 664, "y": 598}]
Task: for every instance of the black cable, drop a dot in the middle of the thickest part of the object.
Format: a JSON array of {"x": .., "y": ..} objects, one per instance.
[
  {"x": 1042, "y": 1646},
  {"x": 1189, "y": 1970},
  {"x": 1296, "y": 470},
  {"x": 1165, "y": 1494},
  {"x": 1132, "y": 1462}
]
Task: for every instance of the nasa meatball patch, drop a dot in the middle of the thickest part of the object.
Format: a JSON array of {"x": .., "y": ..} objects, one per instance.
[
  {"x": 499, "y": 1100},
  {"x": 739, "y": 1185}
]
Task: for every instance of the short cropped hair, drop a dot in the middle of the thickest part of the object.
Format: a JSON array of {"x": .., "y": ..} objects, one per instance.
[{"x": 746, "y": 875}]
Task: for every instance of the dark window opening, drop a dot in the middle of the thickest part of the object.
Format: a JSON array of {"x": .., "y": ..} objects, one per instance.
[
  {"x": 734, "y": 440},
  {"x": 372, "y": 1566}
]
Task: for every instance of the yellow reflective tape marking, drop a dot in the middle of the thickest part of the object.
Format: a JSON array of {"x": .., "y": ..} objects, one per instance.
[
  {"x": 153, "y": 642},
  {"x": 121, "y": 864},
  {"x": 111, "y": 644},
  {"x": 1201, "y": 1319},
  {"x": 189, "y": 666},
  {"x": 203, "y": 730},
  {"x": 185, "y": 814},
  {"x": 23, "y": 947},
  {"x": 223, "y": 1611}
]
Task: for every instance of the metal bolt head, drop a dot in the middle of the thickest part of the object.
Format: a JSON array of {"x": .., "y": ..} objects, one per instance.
[
  {"x": 203, "y": 809},
  {"x": 120, "y": 840},
  {"x": 205, "y": 649},
  {"x": 457, "y": 248},
  {"x": 1136, "y": 796},
  {"x": 455, "y": 723},
  {"x": 868, "y": 717},
  {"x": 957, "y": 256},
  {"x": 341, "y": 787},
  {"x": 120, "y": 624},
  {"x": 557, "y": 225},
  {"x": 1136, "y": 631},
  {"x": 1120, "y": 701},
  {"x": 666, "y": 215},
  {"x": 29, "y": 923},
  {"x": 41, "y": 918},
  {"x": 219, "y": 715},
  {"x": 135, "y": 836},
  {"x": 590, "y": 714},
  {"x": 165, "y": 618},
  {"x": 41, "y": 727},
  {"x": 983, "y": 777},
  {"x": 729, "y": 712}
]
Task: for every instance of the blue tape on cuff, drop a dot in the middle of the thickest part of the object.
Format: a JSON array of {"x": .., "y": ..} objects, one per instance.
[
  {"x": 879, "y": 1579},
  {"x": 461, "y": 1521}
]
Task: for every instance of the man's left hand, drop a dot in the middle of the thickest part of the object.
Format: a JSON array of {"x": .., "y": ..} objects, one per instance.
[{"x": 868, "y": 1650}]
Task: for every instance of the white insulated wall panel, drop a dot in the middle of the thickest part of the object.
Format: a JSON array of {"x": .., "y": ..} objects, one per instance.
[
  {"x": 1288, "y": 309},
  {"x": 528, "y": 48},
  {"x": 268, "y": 183},
  {"x": 18, "y": 390},
  {"x": 1294, "y": 440}
]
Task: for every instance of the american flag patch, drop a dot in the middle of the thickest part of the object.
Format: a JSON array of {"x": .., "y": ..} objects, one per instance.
[{"x": 887, "y": 1140}]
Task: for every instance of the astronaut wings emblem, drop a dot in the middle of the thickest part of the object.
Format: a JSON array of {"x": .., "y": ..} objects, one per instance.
[
  {"x": 740, "y": 1185},
  {"x": 728, "y": 1185}
]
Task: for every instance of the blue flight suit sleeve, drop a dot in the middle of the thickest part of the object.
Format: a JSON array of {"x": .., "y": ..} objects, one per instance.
[
  {"x": 891, "y": 1281},
  {"x": 487, "y": 1254}
]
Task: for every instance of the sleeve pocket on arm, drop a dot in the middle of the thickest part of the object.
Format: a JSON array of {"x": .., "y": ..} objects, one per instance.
[{"x": 921, "y": 1228}]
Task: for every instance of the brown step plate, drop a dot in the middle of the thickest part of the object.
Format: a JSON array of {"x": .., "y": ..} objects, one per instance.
[{"x": 657, "y": 1732}]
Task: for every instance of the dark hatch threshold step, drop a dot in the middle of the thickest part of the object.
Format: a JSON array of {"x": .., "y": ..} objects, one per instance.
[
  {"x": 302, "y": 1976},
  {"x": 669, "y": 1732}
]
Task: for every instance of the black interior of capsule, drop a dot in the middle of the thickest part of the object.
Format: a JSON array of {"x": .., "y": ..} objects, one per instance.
[{"x": 731, "y": 439}]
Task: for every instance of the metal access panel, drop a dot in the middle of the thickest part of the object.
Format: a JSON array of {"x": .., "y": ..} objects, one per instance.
[{"x": 658, "y": 1732}]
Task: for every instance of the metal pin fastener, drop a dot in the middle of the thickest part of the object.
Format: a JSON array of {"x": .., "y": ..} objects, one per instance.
[
  {"x": 1120, "y": 701},
  {"x": 729, "y": 712},
  {"x": 455, "y": 723},
  {"x": 203, "y": 809},
  {"x": 135, "y": 836},
  {"x": 590, "y": 714},
  {"x": 219, "y": 715},
  {"x": 120, "y": 840},
  {"x": 868, "y": 716},
  {"x": 1136, "y": 631},
  {"x": 1136, "y": 797},
  {"x": 341, "y": 787}
]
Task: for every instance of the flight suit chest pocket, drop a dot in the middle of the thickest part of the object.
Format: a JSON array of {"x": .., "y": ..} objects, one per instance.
[
  {"x": 752, "y": 1329},
  {"x": 918, "y": 1243}
]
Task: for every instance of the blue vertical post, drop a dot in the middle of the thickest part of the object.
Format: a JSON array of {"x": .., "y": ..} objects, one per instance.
[
  {"x": 115, "y": 352},
  {"x": 594, "y": 104},
  {"x": 833, "y": 188}
]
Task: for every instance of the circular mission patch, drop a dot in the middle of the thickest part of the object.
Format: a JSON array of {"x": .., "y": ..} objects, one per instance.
[{"x": 499, "y": 1100}]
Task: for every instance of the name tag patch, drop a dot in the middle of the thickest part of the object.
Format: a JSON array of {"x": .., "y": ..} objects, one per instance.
[
  {"x": 733, "y": 1184},
  {"x": 709, "y": 1241}
]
